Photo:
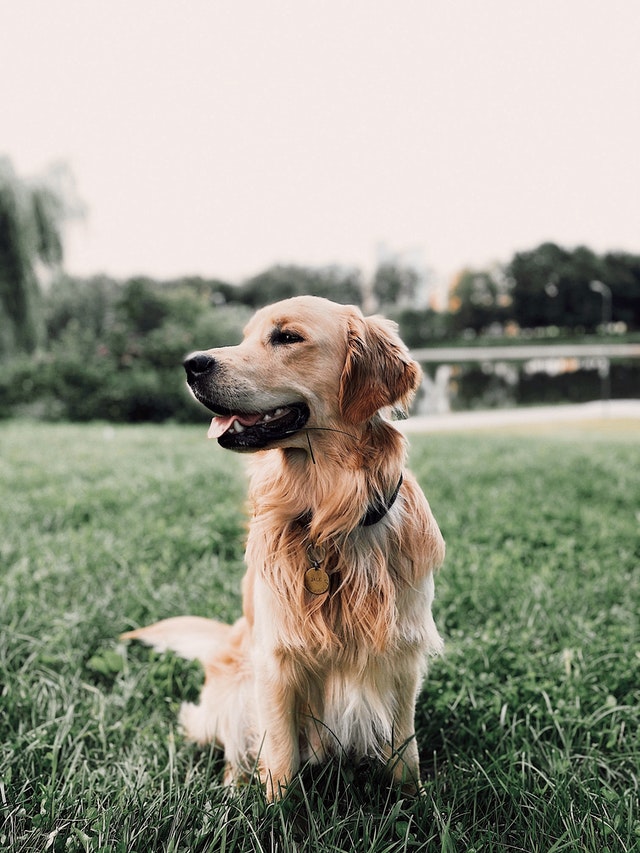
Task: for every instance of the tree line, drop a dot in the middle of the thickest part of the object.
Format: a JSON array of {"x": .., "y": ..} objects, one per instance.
[
  {"x": 87, "y": 348},
  {"x": 550, "y": 286}
]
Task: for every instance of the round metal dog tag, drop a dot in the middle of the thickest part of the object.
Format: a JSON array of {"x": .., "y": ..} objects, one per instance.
[{"x": 316, "y": 581}]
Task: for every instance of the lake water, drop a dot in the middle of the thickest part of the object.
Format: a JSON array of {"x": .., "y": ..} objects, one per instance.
[{"x": 501, "y": 384}]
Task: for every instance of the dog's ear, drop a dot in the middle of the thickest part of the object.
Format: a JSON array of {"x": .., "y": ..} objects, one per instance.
[{"x": 378, "y": 370}]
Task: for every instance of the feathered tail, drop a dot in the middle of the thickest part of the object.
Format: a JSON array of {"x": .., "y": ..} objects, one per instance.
[{"x": 191, "y": 637}]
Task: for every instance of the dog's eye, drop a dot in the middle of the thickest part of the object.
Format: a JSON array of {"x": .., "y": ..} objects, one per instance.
[{"x": 280, "y": 337}]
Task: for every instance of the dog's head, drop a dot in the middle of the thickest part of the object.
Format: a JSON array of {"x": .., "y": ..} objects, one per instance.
[{"x": 304, "y": 363}]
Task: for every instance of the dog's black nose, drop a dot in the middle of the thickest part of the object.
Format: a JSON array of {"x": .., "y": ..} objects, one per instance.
[{"x": 197, "y": 364}]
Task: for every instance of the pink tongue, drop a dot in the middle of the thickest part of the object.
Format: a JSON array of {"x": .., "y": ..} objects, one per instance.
[
  {"x": 219, "y": 426},
  {"x": 221, "y": 423}
]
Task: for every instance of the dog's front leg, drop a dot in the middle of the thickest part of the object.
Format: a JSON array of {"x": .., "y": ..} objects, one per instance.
[
  {"x": 402, "y": 753},
  {"x": 278, "y": 722}
]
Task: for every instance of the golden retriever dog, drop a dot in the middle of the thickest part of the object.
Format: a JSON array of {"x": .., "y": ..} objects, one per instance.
[{"x": 331, "y": 648}]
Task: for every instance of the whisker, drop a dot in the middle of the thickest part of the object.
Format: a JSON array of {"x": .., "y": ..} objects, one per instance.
[
  {"x": 331, "y": 429},
  {"x": 313, "y": 458}
]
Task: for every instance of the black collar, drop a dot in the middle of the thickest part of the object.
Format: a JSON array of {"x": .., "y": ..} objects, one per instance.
[
  {"x": 375, "y": 512},
  {"x": 380, "y": 508}
]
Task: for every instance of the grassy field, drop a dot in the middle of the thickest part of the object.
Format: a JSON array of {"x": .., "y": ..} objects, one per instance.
[{"x": 528, "y": 726}]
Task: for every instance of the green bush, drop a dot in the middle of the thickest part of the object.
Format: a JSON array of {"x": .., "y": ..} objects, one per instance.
[{"x": 120, "y": 360}]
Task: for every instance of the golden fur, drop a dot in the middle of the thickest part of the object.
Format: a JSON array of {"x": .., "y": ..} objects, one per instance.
[{"x": 299, "y": 675}]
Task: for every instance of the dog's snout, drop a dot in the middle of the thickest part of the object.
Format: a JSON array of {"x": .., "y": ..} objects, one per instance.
[{"x": 198, "y": 363}]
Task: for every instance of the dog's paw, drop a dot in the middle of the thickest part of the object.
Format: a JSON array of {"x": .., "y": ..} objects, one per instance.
[
  {"x": 415, "y": 790},
  {"x": 275, "y": 786}
]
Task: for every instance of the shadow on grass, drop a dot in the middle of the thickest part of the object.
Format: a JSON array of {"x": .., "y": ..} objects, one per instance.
[{"x": 337, "y": 806}]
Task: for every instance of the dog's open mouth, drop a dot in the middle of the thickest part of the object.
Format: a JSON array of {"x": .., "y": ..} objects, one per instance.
[{"x": 254, "y": 430}]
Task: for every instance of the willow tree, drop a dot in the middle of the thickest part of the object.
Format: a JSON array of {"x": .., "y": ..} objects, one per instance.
[{"x": 32, "y": 216}]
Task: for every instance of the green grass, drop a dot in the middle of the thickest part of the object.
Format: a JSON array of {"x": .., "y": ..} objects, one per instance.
[{"x": 528, "y": 727}]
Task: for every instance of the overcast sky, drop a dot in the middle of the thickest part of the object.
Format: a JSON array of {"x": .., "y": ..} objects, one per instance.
[{"x": 218, "y": 138}]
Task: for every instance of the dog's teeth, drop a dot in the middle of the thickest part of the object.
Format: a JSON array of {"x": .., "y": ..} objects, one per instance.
[
  {"x": 266, "y": 418},
  {"x": 238, "y": 427},
  {"x": 278, "y": 412}
]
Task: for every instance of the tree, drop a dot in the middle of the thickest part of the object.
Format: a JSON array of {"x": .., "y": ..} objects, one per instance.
[
  {"x": 394, "y": 284},
  {"x": 621, "y": 272},
  {"x": 283, "y": 281},
  {"x": 91, "y": 302},
  {"x": 420, "y": 327},
  {"x": 478, "y": 299},
  {"x": 550, "y": 287},
  {"x": 32, "y": 216}
]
